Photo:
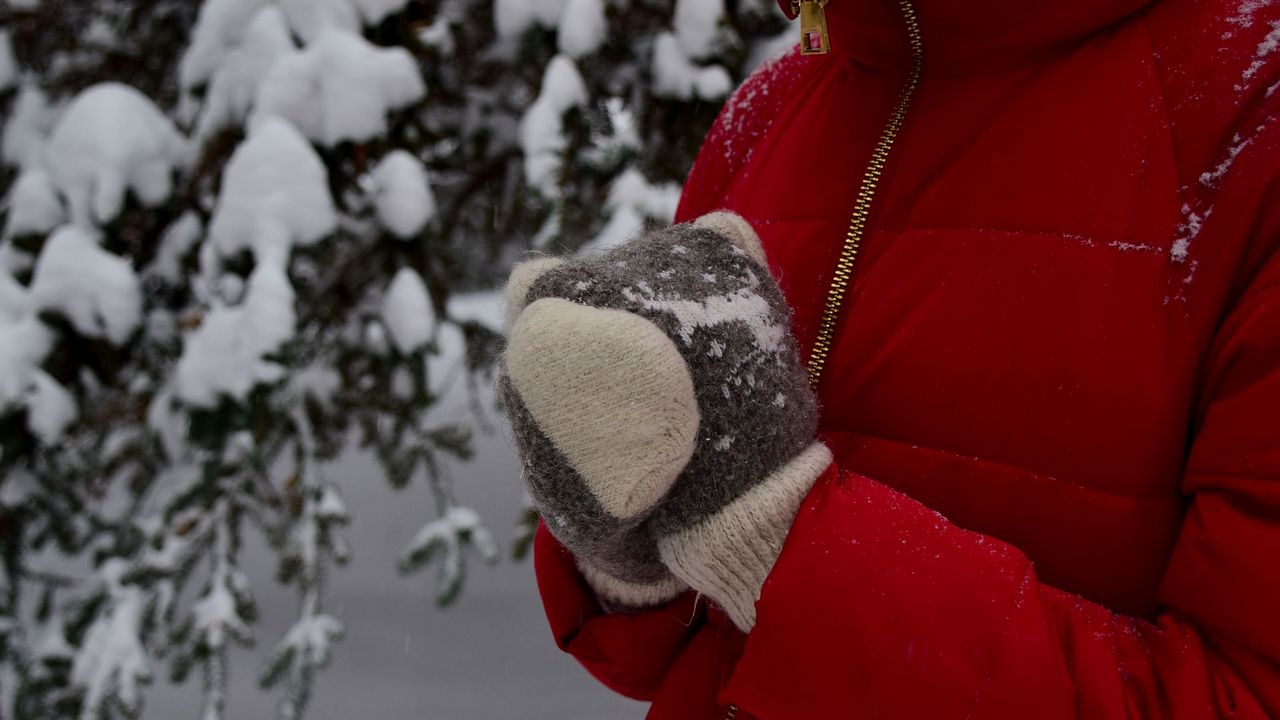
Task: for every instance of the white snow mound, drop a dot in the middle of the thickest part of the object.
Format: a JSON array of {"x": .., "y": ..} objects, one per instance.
[
  {"x": 340, "y": 88},
  {"x": 34, "y": 206},
  {"x": 275, "y": 194},
  {"x": 228, "y": 354},
  {"x": 542, "y": 127},
  {"x": 112, "y": 140},
  {"x": 403, "y": 197},
  {"x": 407, "y": 311},
  {"x": 96, "y": 291},
  {"x": 235, "y": 83},
  {"x": 676, "y": 76}
]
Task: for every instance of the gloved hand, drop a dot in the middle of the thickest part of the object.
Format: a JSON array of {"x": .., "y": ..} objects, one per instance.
[{"x": 662, "y": 414}]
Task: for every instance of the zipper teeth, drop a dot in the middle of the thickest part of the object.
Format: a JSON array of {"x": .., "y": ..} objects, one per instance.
[{"x": 862, "y": 208}]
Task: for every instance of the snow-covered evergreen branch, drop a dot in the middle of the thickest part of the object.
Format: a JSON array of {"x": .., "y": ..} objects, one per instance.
[{"x": 233, "y": 238}]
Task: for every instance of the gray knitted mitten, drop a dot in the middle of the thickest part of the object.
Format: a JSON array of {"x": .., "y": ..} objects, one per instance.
[{"x": 664, "y": 419}]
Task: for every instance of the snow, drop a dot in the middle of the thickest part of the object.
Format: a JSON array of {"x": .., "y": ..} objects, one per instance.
[
  {"x": 50, "y": 409},
  {"x": 1245, "y": 12},
  {"x": 542, "y": 127},
  {"x": 228, "y": 355},
  {"x": 1260, "y": 55},
  {"x": 1238, "y": 144},
  {"x": 407, "y": 311},
  {"x": 438, "y": 35},
  {"x": 96, "y": 291},
  {"x": 676, "y": 76},
  {"x": 1192, "y": 222},
  {"x": 112, "y": 662},
  {"x": 745, "y": 305},
  {"x": 402, "y": 194},
  {"x": 14, "y": 304},
  {"x": 8, "y": 65},
  {"x": 582, "y": 28},
  {"x": 340, "y": 87},
  {"x": 513, "y": 17},
  {"x": 23, "y": 346},
  {"x": 445, "y": 538},
  {"x": 275, "y": 194},
  {"x": 111, "y": 140},
  {"x": 310, "y": 639},
  {"x": 236, "y": 81},
  {"x": 697, "y": 25},
  {"x": 310, "y": 18},
  {"x": 27, "y": 126},
  {"x": 214, "y": 614},
  {"x": 218, "y": 29},
  {"x": 34, "y": 206},
  {"x": 177, "y": 241},
  {"x": 632, "y": 201}
]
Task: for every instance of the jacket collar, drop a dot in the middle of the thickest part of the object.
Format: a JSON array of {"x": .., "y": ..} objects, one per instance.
[{"x": 967, "y": 36}]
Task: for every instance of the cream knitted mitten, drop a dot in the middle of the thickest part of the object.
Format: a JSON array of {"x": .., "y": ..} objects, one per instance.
[{"x": 663, "y": 417}]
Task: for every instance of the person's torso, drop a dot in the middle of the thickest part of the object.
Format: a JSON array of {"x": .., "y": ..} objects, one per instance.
[{"x": 1019, "y": 344}]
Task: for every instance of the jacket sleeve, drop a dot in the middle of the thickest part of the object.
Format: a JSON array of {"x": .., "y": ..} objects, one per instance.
[
  {"x": 629, "y": 652},
  {"x": 879, "y": 607}
]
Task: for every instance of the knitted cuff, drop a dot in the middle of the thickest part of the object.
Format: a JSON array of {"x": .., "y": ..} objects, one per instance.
[
  {"x": 617, "y": 595},
  {"x": 728, "y": 556}
]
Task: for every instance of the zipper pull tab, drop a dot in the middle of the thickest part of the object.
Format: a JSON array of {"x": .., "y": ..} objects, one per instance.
[{"x": 814, "y": 39}]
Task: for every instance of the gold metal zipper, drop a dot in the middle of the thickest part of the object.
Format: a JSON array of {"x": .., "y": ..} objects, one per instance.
[
  {"x": 866, "y": 196},
  {"x": 862, "y": 208},
  {"x": 814, "y": 39}
]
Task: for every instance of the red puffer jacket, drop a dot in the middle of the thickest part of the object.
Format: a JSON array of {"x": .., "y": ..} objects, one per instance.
[{"x": 1054, "y": 394}]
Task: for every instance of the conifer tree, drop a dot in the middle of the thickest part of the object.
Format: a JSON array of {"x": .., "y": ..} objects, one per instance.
[{"x": 234, "y": 238}]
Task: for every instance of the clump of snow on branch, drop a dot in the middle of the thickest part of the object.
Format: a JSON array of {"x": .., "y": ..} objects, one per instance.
[
  {"x": 219, "y": 28},
  {"x": 402, "y": 194},
  {"x": 676, "y": 76},
  {"x": 178, "y": 240},
  {"x": 112, "y": 664},
  {"x": 230, "y": 354},
  {"x": 275, "y": 194},
  {"x": 341, "y": 87},
  {"x": 632, "y": 201},
  {"x": 235, "y": 83},
  {"x": 34, "y": 204},
  {"x": 96, "y": 291},
  {"x": 698, "y": 27},
  {"x": 445, "y": 539},
  {"x": 542, "y": 128},
  {"x": 112, "y": 140},
  {"x": 310, "y": 18},
  {"x": 407, "y": 311},
  {"x": 582, "y": 28},
  {"x": 24, "y": 343},
  {"x": 27, "y": 127},
  {"x": 50, "y": 408}
]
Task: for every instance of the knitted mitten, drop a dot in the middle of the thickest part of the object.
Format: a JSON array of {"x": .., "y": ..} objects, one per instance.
[{"x": 663, "y": 416}]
